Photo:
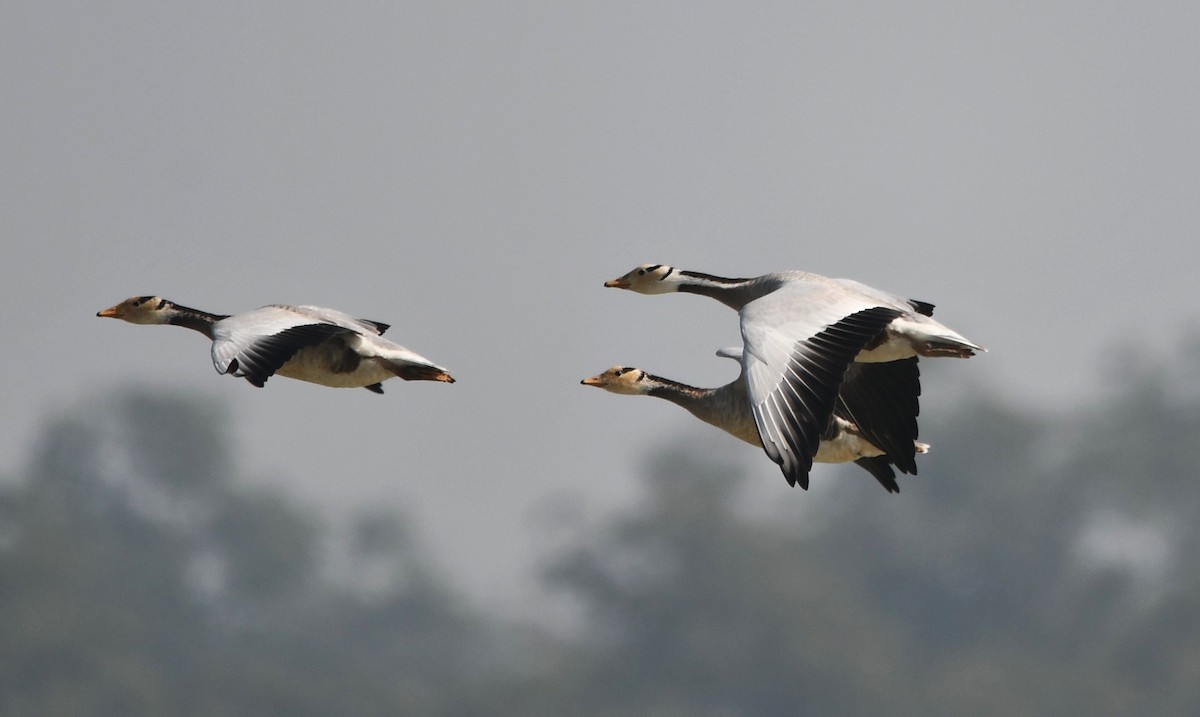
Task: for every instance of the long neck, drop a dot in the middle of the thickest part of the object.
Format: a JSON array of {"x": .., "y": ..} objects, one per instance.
[
  {"x": 194, "y": 319},
  {"x": 734, "y": 293},
  {"x": 726, "y": 407},
  {"x": 678, "y": 393}
]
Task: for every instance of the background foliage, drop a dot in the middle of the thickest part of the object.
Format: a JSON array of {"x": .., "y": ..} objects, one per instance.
[{"x": 1038, "y": 565}]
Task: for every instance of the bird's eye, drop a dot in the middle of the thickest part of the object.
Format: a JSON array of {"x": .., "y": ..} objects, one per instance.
[
  {"x": 137, "y": 302},
  {"x": 641, "y": 272}
]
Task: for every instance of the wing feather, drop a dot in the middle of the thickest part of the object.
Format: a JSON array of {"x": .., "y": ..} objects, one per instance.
[
  {"x": 880, "y": 468},
  {"x": 794, "y": 370},
  {"x": 882, "y": 399},
  {"x": 333, "y": 316},
  {"x": 255, "y": 344}
]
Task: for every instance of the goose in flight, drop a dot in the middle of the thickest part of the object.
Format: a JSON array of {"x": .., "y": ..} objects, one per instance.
[
  {"x": 728, "y": 408},
  {"x": 308, "y": 343},
  {"x": 803, "y": 335}
]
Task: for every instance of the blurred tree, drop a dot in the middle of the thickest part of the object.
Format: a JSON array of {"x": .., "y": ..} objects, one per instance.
[
  {"x": 1040, "y": 564},
  {"x": 86, "y": 588},
  {"x": 138, "y": 578},
  {"x": 695, "y": 609}
]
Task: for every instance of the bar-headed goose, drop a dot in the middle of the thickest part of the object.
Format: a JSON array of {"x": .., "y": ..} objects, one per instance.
[
  {"x": 729, "y": 409},
  {"x": 308, "y": 343},
  {"x": 802, "y": 333}
]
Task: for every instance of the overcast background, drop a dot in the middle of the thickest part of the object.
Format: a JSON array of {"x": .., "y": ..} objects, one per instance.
[{"x": 472, "y": 172}]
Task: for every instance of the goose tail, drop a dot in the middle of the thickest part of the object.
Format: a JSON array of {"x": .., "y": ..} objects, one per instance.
[
  {"x": 934, "y": 339},
  {"x": 410, "y": 371}
]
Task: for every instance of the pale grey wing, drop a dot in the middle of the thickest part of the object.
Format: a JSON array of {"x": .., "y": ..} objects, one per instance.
[
  {"x": 339, "y": 318},
  {"x": 873, "y": 295},
  {"x": 794, "y": 371},
  {"x": 255, "y": 344},
  {"x": 887, "y": 299},
  {"x": 882, "y": 399},
  {"x": 260, "y": 359}
]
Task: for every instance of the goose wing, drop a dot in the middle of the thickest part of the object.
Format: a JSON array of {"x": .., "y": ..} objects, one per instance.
[
  {"x": 799, "y": 341},
  {"x": 882, "y": 400},
  {"x": 880, "y": 467},
  {"x": 253, "y": 345},
  {"x": 881, "y": 297},
  {"x": 338, "y": 318}
]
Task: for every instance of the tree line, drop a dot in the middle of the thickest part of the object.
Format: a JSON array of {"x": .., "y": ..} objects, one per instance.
[{"x": 1040, "y": 564}]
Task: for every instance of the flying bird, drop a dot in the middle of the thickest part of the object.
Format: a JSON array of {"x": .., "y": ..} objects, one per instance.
[
  {"x": 728, "y": 408},
  {"x": 307, "y": 343},
  {"x": 803, "y": 334}
]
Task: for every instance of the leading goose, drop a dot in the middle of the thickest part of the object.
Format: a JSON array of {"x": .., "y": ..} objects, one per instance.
[
  {"x": 729, "y": 409},
  {"x": 802, "y": 333},
  {"x": 308, "y": 343}
]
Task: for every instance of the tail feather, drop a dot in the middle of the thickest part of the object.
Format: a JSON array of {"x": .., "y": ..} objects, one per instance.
[
  {"x": 420, "y": 372},
  {"x": 942, "y": 346}
]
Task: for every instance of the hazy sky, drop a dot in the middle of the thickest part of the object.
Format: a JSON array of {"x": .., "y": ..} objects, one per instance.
[{"x": 472, "y": 172}]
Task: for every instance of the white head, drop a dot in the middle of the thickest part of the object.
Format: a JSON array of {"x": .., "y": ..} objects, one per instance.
[
  {"x": 649, "y": 279},
  {"x": 140, "y": 310},
  {"x": 621, "y": 379}
]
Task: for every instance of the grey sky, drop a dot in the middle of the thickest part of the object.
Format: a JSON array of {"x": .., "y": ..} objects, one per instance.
[{"x": 472, "y": 172}]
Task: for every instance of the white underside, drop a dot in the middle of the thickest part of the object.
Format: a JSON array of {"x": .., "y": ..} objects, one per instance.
[
  {"x": 850, "y": 447},
  {"x": 310, "y": 365},
  {"x": 845, "y": 447},
  {"x": 906, "y": 334},
  {"x": 896, "y": 347}
]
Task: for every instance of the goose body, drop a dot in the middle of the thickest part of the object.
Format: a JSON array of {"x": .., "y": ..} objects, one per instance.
[
  {"x": 307, "y": 343},
  {"x": 803, "y": 302},
  {"x": 803, "y": 334},
  {"x": 729, "y": 408}
]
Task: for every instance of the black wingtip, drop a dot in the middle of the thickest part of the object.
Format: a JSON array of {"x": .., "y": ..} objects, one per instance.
[
  {"x": 880, "y": 468},
  {"x": 883, "y": 400},
  {"x": 797, "y": 478},
  {"x": 921, "y": 307}
]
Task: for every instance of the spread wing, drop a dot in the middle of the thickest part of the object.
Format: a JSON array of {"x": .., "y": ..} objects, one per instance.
[
  {"x": 799, "y": 341},
  {"x": 255, "y": 344},
  {"x": 882, "y": 400}
]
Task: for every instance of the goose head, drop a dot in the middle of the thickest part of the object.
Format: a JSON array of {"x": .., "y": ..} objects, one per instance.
[
  {"x": 140, "y": 310},
  {"x": 622, "y": 379},
  {"x": 648, "y": 279}
]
